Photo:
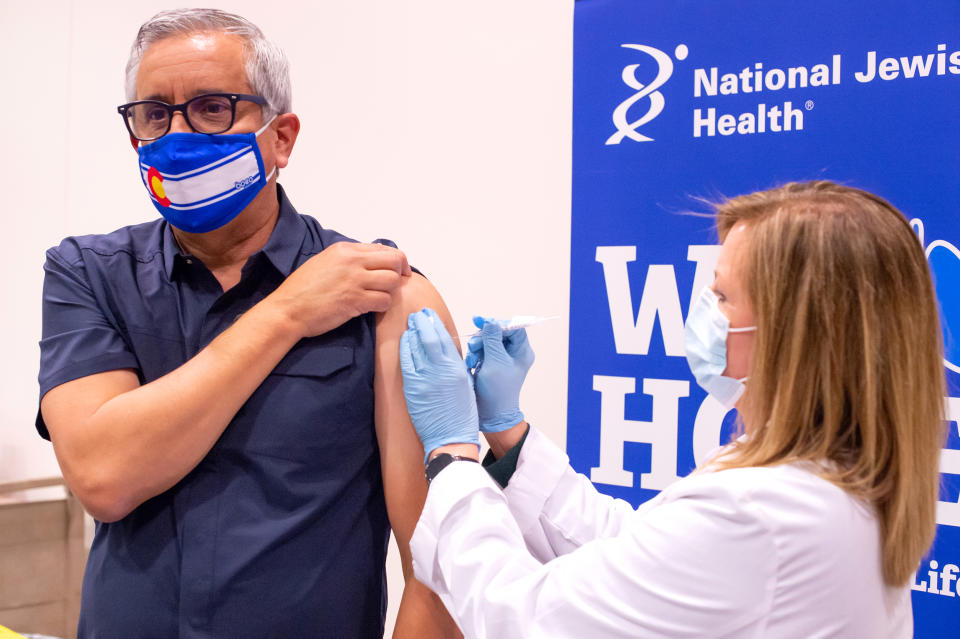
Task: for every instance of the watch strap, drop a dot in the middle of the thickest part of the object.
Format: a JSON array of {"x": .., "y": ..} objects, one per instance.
[{"x": 441, "y": 461}]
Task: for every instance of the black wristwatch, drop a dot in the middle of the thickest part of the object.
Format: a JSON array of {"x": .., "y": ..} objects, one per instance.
[{"x": 441, "y": 461}]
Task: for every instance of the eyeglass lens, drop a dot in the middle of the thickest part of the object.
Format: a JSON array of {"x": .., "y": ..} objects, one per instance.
[{"x": 205, "y": 114}]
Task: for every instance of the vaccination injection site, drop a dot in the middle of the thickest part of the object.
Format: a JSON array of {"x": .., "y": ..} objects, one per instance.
[{"x": 521, "y": 319}]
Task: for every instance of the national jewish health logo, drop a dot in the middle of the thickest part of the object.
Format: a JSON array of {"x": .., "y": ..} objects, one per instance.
[
  {"x": 626, "y": 128},
  {"x": 944, "y": 260}
]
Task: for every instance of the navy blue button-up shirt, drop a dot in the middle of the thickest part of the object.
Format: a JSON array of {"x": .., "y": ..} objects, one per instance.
[{"x": 281, "y": 531}]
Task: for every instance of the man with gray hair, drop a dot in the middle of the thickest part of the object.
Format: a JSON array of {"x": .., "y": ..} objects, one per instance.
[{"x": 221, "y": 386}]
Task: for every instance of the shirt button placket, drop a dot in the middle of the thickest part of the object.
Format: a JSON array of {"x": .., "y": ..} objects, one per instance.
[
  {"x": 199, "y": 548},
  {"x": 198, "y": 589}
]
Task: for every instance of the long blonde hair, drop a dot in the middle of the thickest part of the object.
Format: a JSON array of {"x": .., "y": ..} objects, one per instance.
[{"x": 847, "y": 364}]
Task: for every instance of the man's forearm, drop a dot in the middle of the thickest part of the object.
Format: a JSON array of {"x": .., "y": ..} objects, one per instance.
[
  {"x": 417, "y": 605},
  {"x": 141, "y": 442}
]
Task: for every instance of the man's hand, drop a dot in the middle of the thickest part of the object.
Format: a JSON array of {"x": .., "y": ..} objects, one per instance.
[{"x": 345, "y": 280}]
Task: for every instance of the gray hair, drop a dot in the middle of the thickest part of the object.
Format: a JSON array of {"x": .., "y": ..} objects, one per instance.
[{"x": 268, "y": 71}]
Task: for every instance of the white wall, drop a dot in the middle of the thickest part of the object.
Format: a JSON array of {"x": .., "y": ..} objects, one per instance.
[{"x": 442, "y": 125}]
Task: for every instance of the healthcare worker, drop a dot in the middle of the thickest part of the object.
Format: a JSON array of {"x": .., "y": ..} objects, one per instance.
[{"x": 822, "y": 328}]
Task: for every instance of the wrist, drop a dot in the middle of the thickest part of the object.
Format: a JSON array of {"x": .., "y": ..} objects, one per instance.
[
  {"x": 503, "y": 420},
  {"x": 457, "y": 450},
  {"x": 282, "y": 317},
  {"x": 502, "y": 441},
  {"x": 440, "y": 461}
]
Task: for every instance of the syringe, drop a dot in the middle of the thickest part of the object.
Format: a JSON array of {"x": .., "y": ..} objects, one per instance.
[{"x": 513, "y": 323}]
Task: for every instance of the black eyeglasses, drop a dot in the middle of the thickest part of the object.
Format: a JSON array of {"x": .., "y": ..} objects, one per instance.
[{"x": 148, "y": 120}]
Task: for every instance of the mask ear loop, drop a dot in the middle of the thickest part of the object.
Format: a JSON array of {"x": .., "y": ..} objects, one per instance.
[
  {"x": 739, "y": 393},
  {"x": 256, "y": 135},
  {"x": 264, "y": 127},
  {"x": 745, "y": 329}
]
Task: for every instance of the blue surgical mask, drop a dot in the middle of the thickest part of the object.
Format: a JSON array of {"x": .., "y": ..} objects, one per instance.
[
  {"x": 198, "y": 181},
  {"x": 706, "y": 343}
]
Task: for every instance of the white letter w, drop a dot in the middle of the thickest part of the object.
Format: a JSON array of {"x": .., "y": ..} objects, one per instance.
[{"x": 660, "y": 297}]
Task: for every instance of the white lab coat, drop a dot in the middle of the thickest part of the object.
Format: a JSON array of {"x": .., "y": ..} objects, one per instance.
[{"x": 754, "y": 552}]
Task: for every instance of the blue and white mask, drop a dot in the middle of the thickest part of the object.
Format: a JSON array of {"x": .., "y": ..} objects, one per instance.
[
  {"x": 198, "y": 181},
  {"x": 705, "y": 338}
]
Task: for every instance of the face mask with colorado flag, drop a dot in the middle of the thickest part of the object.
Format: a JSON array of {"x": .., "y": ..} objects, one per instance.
[{"x": 199, "y": 181}]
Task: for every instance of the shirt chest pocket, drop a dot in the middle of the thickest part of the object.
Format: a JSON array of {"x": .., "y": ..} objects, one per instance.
[
  {"x": 316, "y": 401},
  {"x": 315, "y": 361}
]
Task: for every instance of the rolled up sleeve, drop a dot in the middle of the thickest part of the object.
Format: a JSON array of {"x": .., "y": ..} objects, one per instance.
[
  {"x": 702, "y": 565},
  {"x": 556, "y": 508}
]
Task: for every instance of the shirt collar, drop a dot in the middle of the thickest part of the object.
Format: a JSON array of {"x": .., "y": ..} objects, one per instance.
[{"x": 282, "y": 248}]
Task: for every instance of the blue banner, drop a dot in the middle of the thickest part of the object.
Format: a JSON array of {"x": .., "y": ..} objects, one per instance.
[{"x": 677, "y": 100}]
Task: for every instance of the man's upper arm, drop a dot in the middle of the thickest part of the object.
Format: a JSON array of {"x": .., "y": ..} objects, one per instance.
[
  {"x": 401, "y": 452},
  {"x": 78, "y": 340},
  {"x": 421, "y": 612}
]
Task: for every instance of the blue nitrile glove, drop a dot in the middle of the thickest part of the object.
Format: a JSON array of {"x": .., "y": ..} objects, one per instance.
[
  {"x": 500, "y": 362},
  {"x": 437, "y": 385}
]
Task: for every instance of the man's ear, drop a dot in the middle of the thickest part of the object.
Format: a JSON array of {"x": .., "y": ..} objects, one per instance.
[
  {"x": 134, "y": 143},
  {"x": 288, "y": 127}
]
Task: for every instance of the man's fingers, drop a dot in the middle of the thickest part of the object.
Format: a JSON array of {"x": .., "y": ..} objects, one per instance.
[
  {"x": 385, "y": 280},
  {"x": 367, "y": 256},
  {"x": 378, "y": 256},
  {"x": 370, "y": 247},
  {"x": 376, "y": 302}
]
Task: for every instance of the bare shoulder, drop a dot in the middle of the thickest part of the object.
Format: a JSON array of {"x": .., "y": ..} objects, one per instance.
[{"x": 413, "y": 294}]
